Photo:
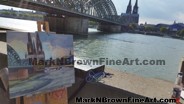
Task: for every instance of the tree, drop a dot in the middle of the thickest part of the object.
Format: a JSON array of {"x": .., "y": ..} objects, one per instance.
[
  {"x": 133, "y": 26},
  {"x": 149, "y": 28},
  {"x": 5, "y": 13},
  {"x": 163, "y": 29},
  {"x": 181, "y": 33}
]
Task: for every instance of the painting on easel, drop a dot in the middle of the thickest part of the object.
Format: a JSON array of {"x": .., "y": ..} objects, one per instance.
[{"x": 39, "y": 62}]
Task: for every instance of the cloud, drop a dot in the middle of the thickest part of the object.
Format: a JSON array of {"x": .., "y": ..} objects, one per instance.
[
  {"x": 55, "y": 51},
  {"x": 65, "y": 41},
  {"x": 179, "y": 16},
  {"x": 154, "y": 21},
  {"x": 60, "y": 52}
]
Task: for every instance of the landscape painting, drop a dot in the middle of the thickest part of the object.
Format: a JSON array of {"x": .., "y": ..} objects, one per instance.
[{"x": 39, "y": 62}]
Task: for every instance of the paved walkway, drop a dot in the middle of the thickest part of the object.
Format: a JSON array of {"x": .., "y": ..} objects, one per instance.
[
  {"x": 148, "y": 87},
  {"x": 123, "y": 85}
]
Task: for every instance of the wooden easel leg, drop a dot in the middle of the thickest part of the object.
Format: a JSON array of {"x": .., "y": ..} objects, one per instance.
[
  {"x": 44, "y": 24},
  {"x": 18, "y": 100}
]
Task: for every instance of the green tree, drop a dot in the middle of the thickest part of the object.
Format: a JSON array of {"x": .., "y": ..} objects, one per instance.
[
  {"x": 5, "y": 13},
  {"x": 13, "y": 14},
  {"x": 163, "y": 29},
  {"x": 133, "y": 26},
  {"x": 181, "y": 33},
  {"x": 149, "y": 28}
]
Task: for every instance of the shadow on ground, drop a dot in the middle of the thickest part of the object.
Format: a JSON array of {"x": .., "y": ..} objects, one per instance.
[{"x": 88, "y": 90}]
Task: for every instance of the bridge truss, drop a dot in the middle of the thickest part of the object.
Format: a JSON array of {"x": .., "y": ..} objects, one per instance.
[
  {"x": 104, "y": 9},
  {"x": 14, "y": 59}
]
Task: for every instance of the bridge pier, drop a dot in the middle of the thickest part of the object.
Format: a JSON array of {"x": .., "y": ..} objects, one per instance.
[
  {"x": 109, "y": 28},
  {"x": 68, "y": 25}
]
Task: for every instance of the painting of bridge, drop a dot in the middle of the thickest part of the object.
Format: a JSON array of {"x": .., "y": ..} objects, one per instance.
[{"x": 39, "y": 62}]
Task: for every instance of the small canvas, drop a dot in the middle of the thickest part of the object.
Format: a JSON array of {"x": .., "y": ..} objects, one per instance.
[{"x": 39, "y": 62}]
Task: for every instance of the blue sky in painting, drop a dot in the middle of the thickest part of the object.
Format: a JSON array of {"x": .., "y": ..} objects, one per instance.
[{"x": 55, "y": 46}]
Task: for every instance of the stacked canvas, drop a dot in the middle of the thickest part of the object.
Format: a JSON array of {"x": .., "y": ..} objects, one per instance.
[{"x": 4, "y": 94}]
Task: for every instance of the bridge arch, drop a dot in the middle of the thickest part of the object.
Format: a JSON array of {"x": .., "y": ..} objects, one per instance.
[
  {"x": 13, "y": 57},
  {"x": 100, "y": 8},
  {"x": 103, "y": 8}
]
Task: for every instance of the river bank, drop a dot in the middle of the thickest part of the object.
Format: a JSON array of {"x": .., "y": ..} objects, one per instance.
[
  {"x": 22, "y": 18},
  {"x": 159, "y": 34},
  {"x": 149, "y": 87},
  {"x": 123, "y": 85},
  {"x": 121, "y": 45}
]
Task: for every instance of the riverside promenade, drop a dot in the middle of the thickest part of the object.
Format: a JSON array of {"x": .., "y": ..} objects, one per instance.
[
  {"x": 148, "y": 87},
  {"x": 123, "y": 85}
]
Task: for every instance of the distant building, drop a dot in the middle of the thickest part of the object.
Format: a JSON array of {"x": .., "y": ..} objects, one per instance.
[
  {"x": 176, "y": 27},
  {"x": 35, "y": 50},
  {"x": 149, "y": 25},
  {"x": 162, "y": 25},
  {"x": 130, "y": 17}
]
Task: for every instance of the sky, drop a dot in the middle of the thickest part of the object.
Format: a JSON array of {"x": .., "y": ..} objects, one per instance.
[
  {"x": 55, "y": 46},
  {"x": 153, "y": 11}
]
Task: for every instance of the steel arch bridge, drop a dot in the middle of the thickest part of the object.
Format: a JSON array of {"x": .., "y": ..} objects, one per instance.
[
  {"x": 14, "y": 58},
  {"x": 104, "y": 9}
]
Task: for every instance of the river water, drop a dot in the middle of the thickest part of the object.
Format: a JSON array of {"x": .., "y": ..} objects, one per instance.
[{"x": 118, "y": 46}]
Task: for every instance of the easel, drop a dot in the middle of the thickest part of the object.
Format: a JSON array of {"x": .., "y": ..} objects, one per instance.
[
  {"x": 4, "y": 78},
  {"x": 43, "y": 24},
  {"x": 56, "y": 97},
  {"x": 4, "y": 88}
]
